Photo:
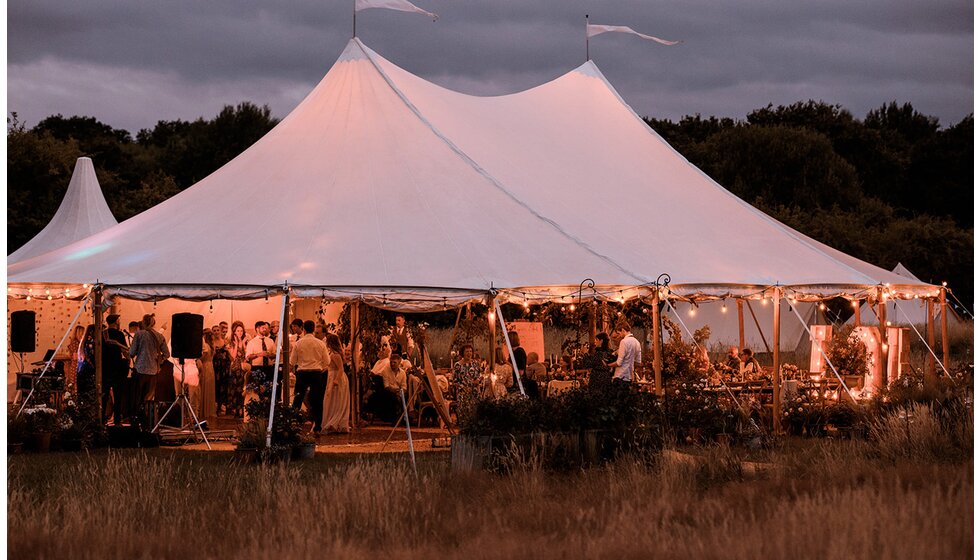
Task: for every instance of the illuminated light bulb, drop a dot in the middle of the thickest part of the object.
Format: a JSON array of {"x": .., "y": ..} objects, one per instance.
[
  {"x": 724, "y": 308},
  {"x": 28, "y": 298},
  {"x": 30, "y": 290},
  {"x": 47, "y": 292},
  {"x": 765, "y": 301},
  {"x": 49, "y": 297},
  {"x": 884, "y": 346},
  {"x": 854, "y": 304},
  {"x": 491, "y": 315},
  {"x": 691, "y": 311},
  {"x": 822, "y": 306},
  {"x": 944, "y": 283},
  {"x": 525, "y": 304},
  {"x": 888, "y": 323},
  {"x": 9, "y": 290},
  {"x": 85, "y": 286},
  {"x": 571, "y": 307}
]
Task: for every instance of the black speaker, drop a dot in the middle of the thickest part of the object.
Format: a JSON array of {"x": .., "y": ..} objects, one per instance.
[
  {"x": 22, "y": 335},
  {"x": 187, "y": 335}
]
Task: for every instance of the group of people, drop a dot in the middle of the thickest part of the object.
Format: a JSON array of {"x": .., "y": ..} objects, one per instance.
[{"x": 741, "y": 366}]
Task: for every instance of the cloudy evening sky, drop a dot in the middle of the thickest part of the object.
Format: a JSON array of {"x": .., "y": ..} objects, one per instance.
[{"x": 131, "y": 63}]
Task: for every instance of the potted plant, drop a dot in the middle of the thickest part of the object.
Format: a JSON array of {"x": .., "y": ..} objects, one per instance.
[
  {"x": 251, "y": 439},
  {"x": 306, "y": 448},
  {"x": 40, "y": 423},
  {"x": 16, "y": 431}
]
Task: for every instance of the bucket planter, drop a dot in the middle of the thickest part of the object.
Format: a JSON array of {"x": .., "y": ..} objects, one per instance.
[
  {"x": 304, "y": 451},
  {"x": 38, "y": 442}
]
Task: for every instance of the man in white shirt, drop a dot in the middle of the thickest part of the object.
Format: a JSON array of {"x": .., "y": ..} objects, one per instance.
[
  {"x": 309, "y": 359},
  {"x": 628, "y": 355},
  {"x": 385, "y": 402},
  {"x": 260, "y": 351}
]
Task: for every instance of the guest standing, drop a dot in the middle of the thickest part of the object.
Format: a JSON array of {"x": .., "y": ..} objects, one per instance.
[
  {"x": 205, "y": 366},
  {"x": 115, "y": 357},
  {"x": 221, "y": 364},
  {"x": 336, "y": 401},
  {"x": 309, "y": 359},
  {"x": 234, "y": 389},
  {"x": 149, "y": 350},
  {"x": 628, "y": 355},
  {"x": 597, "y": 361},
  {"x": 71, "y": 366}
]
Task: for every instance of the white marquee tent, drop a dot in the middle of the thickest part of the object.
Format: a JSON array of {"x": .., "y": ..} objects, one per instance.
[
  {"x": 385, "y": 187},
  {"x": 83, "y": 212}
]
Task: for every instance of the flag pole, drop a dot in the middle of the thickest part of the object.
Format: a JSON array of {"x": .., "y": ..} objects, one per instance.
[
  {"x": 587, "y": 38},
  {"x": 354, "y": 4}
]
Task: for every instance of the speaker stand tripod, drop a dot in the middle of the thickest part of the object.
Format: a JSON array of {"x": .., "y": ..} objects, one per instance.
[{"x": 183, "y": 400}]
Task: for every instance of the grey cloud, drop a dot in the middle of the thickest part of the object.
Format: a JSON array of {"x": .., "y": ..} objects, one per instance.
[{"x": 736, "y": 56}]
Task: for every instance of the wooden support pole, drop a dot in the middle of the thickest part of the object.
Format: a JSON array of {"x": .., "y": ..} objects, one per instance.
[
  {"x": 776, "y": 377},
  {"x": 758, "y": 327},
  {"x": 97, "y": 323},
  {"x": 592, "y": 325},
  {"x": 931, "y": 337},
  {"x": 492, "y": 336},
  {"x": 741, "y": 324},
  {"x": 658, "y": 362},
  {"x": 355, "y": 394},
  {"x": 284, "y": 332},
  {"x": 857, "y": 312},
  {"x": 944, "y": 326},
  {"x": 882, "y": 365}
]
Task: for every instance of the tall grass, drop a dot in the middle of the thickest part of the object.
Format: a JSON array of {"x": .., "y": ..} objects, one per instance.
[{"x": 816, "y": 499}]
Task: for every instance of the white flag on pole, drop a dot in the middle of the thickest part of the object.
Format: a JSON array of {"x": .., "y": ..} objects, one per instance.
[
  {"x": 400, "y": 5},
  {"x": 593, "y": 30}
]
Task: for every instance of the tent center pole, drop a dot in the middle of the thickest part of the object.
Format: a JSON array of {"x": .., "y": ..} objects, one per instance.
[{"x": 776, "y": 377}]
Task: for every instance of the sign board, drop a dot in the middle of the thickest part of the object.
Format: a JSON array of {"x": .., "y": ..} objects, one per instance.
[
  {"x": 899, "y": 350},
  {"x": 531, "y": 334}
]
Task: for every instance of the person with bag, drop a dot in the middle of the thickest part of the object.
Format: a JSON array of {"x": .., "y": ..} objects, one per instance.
[{"x": 149, "y": 350}]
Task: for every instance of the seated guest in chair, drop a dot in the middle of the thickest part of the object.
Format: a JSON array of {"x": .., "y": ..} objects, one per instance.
[
  {"x": 750, "y": 369},
  {"x": 389, "y": 377}
]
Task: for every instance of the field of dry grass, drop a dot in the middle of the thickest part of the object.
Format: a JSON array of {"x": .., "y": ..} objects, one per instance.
[{"x": 800, "y": 499}]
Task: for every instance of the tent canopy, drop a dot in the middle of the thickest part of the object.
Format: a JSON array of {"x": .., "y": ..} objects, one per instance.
[
  {"x": 381, "y": 185},
  {"x": 83, "y": 212}
]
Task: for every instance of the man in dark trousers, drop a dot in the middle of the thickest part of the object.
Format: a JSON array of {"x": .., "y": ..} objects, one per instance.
[
  {"x": 115, "y": 356},
  {"x": 309, "y": 358}
]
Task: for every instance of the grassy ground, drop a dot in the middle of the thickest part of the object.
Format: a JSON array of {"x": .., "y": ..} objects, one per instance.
[{"x": 810, "y": 499}]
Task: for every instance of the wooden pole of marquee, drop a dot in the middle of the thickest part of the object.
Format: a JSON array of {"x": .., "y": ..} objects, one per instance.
[
  {"x": 592, "y": 325},
  {"x": 944, "y": 325},
  {"x": 776, "y": 377},
  {"x": 97, "y": 323},
  {"x": 355, "y": 395},
  {"x": 492, "y": 336},
  {"x": 931, "y": 336},
  {"x": 882, "y": 365},
  {"x": 658, "y": 362},
  {"x": 741, "y": 324},
  {"x": 284, "y": 329}
]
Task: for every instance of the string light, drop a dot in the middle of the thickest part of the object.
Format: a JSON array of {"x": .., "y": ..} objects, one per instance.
[
  {"x": 854, "y": 304},
  {"x": 571, "y": 307},
  {"x": 691, "y": 310},
  {"x": 724, "y": 307},
  {"x": 822, "y": 307}
]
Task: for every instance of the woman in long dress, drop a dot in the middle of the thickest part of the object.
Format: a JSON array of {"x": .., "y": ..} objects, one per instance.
[
  {"x": 221, "y": 362},
  {"x": 209, "y": 411},
  {"x": 234, "y": 399},
  {"x": 71, "y": 367},
  {"x": 336, "y": 400}
]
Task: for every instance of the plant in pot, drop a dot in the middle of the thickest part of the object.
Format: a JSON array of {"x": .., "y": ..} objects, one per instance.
[
  {"x": 80, "y": 424},
  {"x": 16, "y": 430},
  {"x": 251, "y": 439},
  {"x": 40, "y": 422}
]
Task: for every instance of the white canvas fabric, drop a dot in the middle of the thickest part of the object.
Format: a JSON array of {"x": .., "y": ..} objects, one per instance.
[
  {"x": 383, "y": 186},
  {"x": 83, "y": 212},
  {"x": 901, "y": 312},
  {"x": 592, "y": 30},
  {"x": 400, "y": 5}
]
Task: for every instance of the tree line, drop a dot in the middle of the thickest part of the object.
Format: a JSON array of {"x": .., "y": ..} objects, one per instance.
[{"x": 892, "y": 187}]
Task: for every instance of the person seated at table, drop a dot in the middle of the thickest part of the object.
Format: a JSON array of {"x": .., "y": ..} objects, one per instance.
[
  {"x": 536, "y": 371},
  {"x": 732, "y": 364},
  {"x": 749, "y": 369},
  {"x": 388, "y": 379}
]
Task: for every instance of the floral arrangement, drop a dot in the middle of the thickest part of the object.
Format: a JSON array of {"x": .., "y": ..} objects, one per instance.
[
  {"x": 689, "y": 407},
  {"x": 685, "y": 362},
  {"x": 81, "y": 418},
  {"x": 790, "y": 371},
  {"x": 848, "y": 353},
  {"x": 40, "y": 420}
]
